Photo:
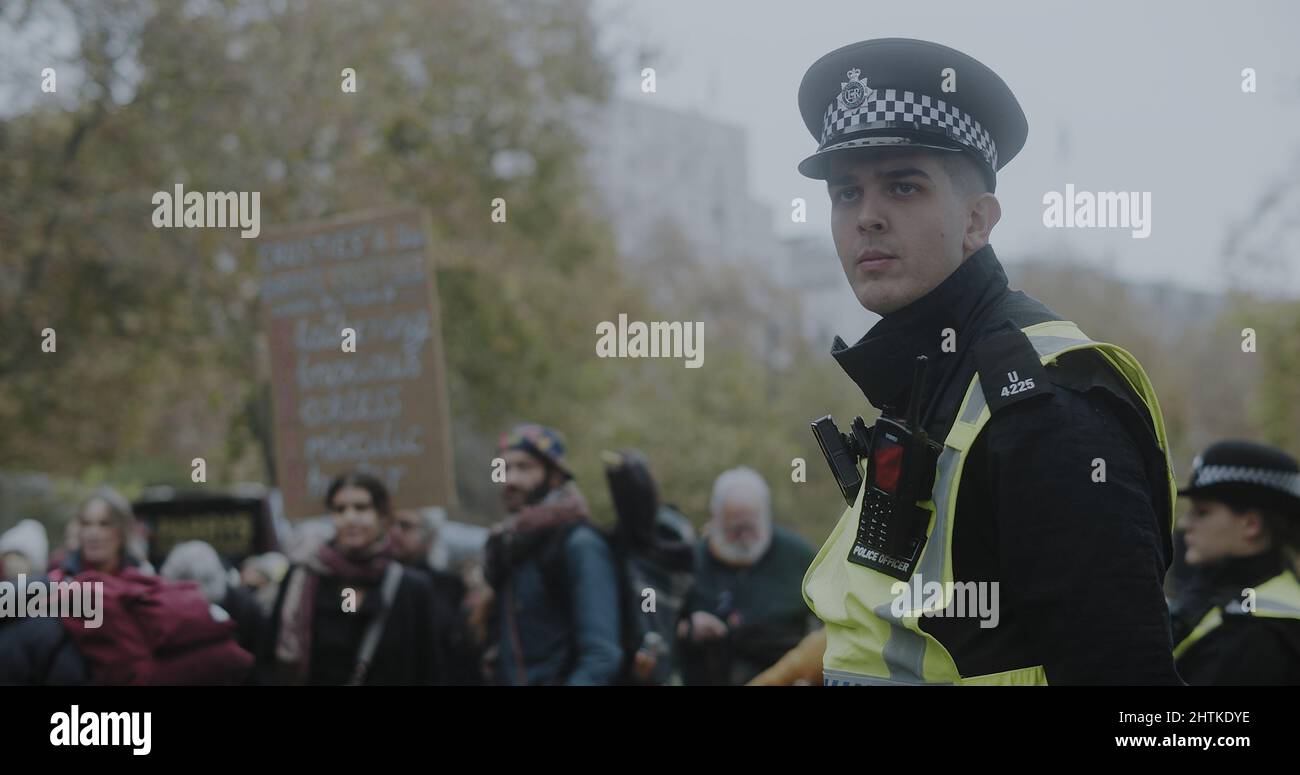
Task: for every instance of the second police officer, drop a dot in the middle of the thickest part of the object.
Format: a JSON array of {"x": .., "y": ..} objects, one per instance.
[{"x": 1237, "y": 619}]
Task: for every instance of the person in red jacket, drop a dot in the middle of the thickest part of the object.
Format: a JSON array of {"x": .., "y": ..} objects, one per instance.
[
  {"x": 148, "y": 630},
  {"x": 105, "y": 527}
]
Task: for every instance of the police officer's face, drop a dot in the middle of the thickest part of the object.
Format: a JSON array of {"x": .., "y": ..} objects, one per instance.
[
  {"x": 1214, "y": 532},
  {"x": 902, "y": 224}
]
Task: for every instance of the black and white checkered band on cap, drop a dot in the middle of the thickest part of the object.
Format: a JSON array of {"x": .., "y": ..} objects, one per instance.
[
  {"x": 1282, "y": 481},
  {"x": 894, "y": 109}
]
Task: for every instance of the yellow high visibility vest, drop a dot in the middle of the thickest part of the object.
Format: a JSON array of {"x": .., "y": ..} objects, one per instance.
[
  {"x": 1279, "y": 598},
  {"x": 866, "y": 641}
]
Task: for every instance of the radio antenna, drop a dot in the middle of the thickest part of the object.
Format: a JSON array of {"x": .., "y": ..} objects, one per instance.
[{"x": 914, "y": 399}]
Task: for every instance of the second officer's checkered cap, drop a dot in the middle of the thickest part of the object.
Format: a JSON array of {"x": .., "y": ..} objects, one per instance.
[
  {"x": 1249, "y": 468},
  {"x": 898, "y": 91}
]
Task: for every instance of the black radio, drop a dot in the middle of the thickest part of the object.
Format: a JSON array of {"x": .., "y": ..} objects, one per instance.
[{"x": 900, "y": 468}]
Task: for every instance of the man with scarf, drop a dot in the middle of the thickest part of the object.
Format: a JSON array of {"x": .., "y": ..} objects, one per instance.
[{"x": 554, "y": 611}]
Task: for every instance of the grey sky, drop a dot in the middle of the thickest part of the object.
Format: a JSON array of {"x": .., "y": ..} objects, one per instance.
[{"x": 1119, "y": 97}]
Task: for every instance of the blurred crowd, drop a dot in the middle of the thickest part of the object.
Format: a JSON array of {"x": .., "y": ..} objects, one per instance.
[{"x": 552, "y": 598}]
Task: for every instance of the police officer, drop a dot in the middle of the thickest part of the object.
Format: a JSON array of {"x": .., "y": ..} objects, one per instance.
[
  {"x": 1237, "y": 620},
  {"x": 1047, "y": 484}
]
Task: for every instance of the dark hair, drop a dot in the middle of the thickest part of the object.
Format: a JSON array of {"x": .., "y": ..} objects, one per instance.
[
  {"x": 371, "y": 484},
  {"x": 1274, "y": 513},
  {"x": 967, "y": 174},
  {"x": 549, "y": 468}
]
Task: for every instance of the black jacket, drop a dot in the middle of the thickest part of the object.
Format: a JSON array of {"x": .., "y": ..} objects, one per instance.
[
  {"x": 407, "y": 654},
  {"x": 462, "y": 658},
  {"x": 1080, "y": 564},
  {"x": 39, "y": 652},
  {"x": 762, "y": 605},
  {"x": 1244, "y": 649},
  {"x": 250, "y": 621}
]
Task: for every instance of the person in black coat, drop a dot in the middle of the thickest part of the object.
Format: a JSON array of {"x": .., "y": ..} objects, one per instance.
[
  {"x": 329, "y": 604},
  {"x": 745, "y": 610},
  {"x": 39, "y": 652},
  {"x": 414, "y": 534},
  {"x": 1236, "y": 619}
]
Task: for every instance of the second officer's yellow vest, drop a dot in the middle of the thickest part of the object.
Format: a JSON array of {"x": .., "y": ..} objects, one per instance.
[
  {"x": 866, "y": 642},
  {"x": 1279, "y": 597}
]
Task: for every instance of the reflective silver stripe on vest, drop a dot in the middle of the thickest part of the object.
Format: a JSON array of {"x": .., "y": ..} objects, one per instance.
[
  {"x": 1261, "y": 604},
  {"x": 904, "y": 652},
  {"x": 843, "y": 678},
  {"x": 974, "y": 405}
]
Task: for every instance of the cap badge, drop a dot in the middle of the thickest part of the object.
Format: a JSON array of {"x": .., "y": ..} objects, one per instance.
[{"x": 854, "y": 92}]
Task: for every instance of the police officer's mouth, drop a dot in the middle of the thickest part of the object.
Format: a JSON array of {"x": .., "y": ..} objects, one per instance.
[{"x": 870, "y": 259}]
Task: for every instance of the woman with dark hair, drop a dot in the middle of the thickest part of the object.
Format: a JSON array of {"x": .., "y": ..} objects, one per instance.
[
  {"x": 351, "y": 614},
  {"x": 1236, "y": 619}
]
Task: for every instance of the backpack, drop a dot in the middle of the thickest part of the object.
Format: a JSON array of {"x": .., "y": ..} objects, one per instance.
[{"x": 653, "y": 552}]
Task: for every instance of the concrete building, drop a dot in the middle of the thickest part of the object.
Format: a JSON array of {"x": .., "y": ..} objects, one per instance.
[{"x": 652, "y": 164}]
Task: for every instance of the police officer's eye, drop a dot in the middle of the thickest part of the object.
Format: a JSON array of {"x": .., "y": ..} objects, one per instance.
[
  {"x": 839, "y": 196},
  {"x": 912, "y": 188}
]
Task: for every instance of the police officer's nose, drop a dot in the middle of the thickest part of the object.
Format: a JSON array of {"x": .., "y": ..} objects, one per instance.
[{"x": 870, "y": 218}]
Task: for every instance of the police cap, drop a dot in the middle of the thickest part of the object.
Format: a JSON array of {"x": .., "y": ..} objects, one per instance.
[
  {"x": 1248, "y": 473},
  {"x": 903, "y": 92}
]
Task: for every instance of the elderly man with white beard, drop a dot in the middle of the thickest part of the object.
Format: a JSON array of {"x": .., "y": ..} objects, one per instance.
[{"x": 746, "y": 608}]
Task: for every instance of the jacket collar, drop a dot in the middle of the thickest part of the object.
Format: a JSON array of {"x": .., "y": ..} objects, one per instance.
[
  {"x": 882, "y": 361},
  {"x": 1231, "y": 574}
]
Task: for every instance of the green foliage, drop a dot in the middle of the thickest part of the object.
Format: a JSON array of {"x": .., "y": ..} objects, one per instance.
[
  {"x": 161, "y": 356},
  {"x": 246, "y": 96},
  {"x": 1275, "y": 410}
]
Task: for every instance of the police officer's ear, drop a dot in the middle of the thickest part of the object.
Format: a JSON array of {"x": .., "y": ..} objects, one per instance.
[
  {"x": 983, "y": 213},
  {"x": 1252, "y": 523},
  {"x": 974, "y": 191}
]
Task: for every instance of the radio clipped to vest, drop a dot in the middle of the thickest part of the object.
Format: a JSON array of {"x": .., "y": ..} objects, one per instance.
[{"x": 900, "y": 468}]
